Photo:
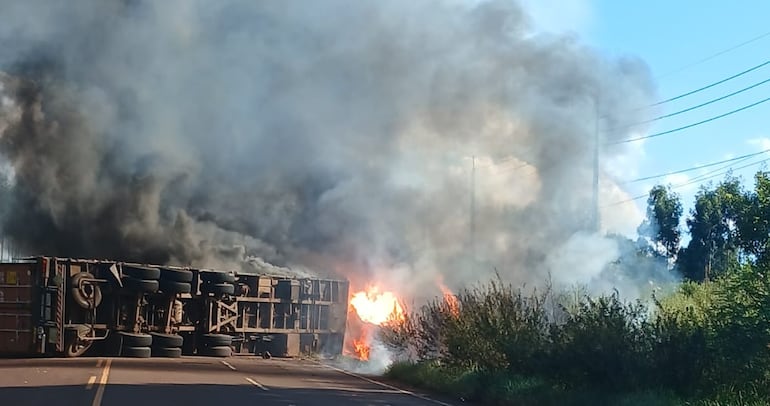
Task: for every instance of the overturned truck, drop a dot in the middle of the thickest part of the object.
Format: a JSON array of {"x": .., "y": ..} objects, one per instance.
[{"x": 69, "y": 307}]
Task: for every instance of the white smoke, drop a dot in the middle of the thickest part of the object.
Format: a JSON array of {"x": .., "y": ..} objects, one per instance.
[{"x": 323, "y": 135}]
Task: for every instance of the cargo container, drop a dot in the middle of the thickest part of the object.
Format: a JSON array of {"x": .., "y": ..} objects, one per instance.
[{"x": 53, "y": 306}]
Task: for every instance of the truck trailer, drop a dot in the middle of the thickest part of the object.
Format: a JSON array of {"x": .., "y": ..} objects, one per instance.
[{"x": 65, "y": 307}]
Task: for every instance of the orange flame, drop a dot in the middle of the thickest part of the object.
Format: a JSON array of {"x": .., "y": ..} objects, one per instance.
[
  {"x": 376, "y": 308},
  {"x": 450, "y": 299},
  {"x": 361, "y": 349},
  {"x": 373, "y": 308}
]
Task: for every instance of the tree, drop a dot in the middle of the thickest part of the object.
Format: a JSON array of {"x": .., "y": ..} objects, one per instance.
[
  {"x": 661, "y": 226},
  {"x": 754, "y": 221},
  {"x": 713, "y": 226}
]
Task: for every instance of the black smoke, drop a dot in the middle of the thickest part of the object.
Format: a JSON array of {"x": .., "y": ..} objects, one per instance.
[{"x": 303, "y": 134}]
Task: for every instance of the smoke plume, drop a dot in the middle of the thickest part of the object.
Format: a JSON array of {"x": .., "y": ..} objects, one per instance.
[{"x": 330, "y": 135}]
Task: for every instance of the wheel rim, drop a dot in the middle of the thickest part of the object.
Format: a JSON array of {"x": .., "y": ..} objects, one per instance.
[{"x": 78, "y": 347}]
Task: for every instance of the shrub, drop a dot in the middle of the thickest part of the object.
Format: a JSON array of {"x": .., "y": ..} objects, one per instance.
[
  {"x": 701, "y": 341},
  {"x": 604, "y": 342}
]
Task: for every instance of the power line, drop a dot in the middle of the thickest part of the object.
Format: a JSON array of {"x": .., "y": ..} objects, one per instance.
[
  {"x": 719, "y": 82},
  {"x": 717, "y": 54},
  {"x": 711, "y": 85},
  {"x": 694, "y": 168},
  {"x": 719, "y": 172},
  {"x": 716, "y": 173},
  {"x": 693, "y": 107},
  {"x": 708, "y": 175},
  {"x": 693, "y": 124},
  {"x": 694, "y": 180}
]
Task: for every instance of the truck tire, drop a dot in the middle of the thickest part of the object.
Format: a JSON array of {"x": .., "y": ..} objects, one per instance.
[
  {"x": 141, "y": 272},
  {"x": 136, "y": 352},
  {"x": 87, "y": 295},
  {"x": 189, "y": 345},
  {"x": 167, "y": 352},
  {"x": 217, "y": 277},
  {"x": 218, "y": 288},
  {"x": 216, "y": 340},
  {"x": 173, "y": 287},
  {"x": 176, "y": 275},
  {"x": 140, "y": 285},
  {"x": 74, "y": 346},
  {"x": 221, "y": 351},
  {"x": 166, "y": 340},
  {"x": 135, "y": 339}
]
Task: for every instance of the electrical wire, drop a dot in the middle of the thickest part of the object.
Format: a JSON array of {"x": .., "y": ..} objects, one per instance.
[
  {"x": 695, "y": 168},
  {"x": 715, "y": 55},
  {"x": 708, "y": 120},
  {"x": 698, "y": 179},
  {"x": 683, "y": 95},
  {"x": 719, "y": 172},
  {"x": 712, "y": 84},
  {"x": 676, "y": 113}
]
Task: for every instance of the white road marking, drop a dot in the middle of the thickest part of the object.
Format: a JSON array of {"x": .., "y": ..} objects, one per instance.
[
  {"x": 385, "y": 385},
  {"x": 102, "y": 384},
  {"x": 359, "y": 390},
  {"x": 257, "y": 384},
  {"x": 227, "y": 364},
  {"x": 90, "y": 383}
]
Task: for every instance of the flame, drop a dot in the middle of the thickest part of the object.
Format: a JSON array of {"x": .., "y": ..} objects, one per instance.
[
  {"x": 373, "y": 308},
  {"x": 376, "y": 308},
  {"x": 361, "y": 349},
  {"x": 450, "y": 299}
]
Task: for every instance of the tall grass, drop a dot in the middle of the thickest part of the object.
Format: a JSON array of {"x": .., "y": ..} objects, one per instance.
[{"x": 702, "y": 342}]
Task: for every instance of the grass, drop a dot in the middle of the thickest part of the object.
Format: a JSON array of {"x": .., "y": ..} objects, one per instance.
[
  {"x": 703, "y": 345},
  {"x": 500, "y": 389},
  {"x": 526, "y": 391}
]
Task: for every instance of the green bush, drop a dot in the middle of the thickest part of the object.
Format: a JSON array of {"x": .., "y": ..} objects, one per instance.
[
  {"x": 702, "y": 342},
  {"x": 604, "y": 342}
]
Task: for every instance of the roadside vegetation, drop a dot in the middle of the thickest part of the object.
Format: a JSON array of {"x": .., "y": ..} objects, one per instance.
[{"x": 707, "y": 342}]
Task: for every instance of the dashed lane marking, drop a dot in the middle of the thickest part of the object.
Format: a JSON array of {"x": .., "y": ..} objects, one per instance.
[
  {"x": 90, "y": 383},
  {"x": 227, "y": 364},
  {"x": 257, "y": 384}
]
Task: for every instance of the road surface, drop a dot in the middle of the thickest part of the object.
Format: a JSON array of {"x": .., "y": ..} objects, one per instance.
[{"x": 191, "y": 381}]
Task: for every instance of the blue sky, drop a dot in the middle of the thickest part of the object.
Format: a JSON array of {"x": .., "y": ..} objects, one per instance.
[{"x": 669, "y": 36}]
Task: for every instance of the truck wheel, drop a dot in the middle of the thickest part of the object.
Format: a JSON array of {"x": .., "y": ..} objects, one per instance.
[
  {"x": 140, "y": 285},
  {"x": 88, "y": 295},
  {"x": 189, "y": 344},
  {"x": 173, "y": 287},
  {"x": 216, "y": 351},
  {"x": 176, "y": 275},
  {"x": 136, "y": 352},
  {"x": 166, "y": 340},
  {"x": 216, "y": 340},
  {"x": 141, "y": 272},
  {"x": 167, "y": 352},
  {"x": 74, "y": 346},
  {"x": 217, "y": 277},
  {"x": 218, "y": 288},
  {"x": 135, "y": 339}
]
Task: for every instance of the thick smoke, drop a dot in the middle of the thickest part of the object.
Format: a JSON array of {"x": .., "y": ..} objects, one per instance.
[{"x": 331, "y": 135}]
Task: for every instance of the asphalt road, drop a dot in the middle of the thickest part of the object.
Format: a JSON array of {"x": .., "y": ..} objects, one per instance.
[{"x": 191, "y": 381}]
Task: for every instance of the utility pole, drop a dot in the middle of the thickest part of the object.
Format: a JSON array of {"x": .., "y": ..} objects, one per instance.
[
  {"x": 473, "y": 213},
  {"x": 595, "y": 204}
]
